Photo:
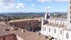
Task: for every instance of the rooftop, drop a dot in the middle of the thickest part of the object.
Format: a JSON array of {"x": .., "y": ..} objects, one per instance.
[
  {"x": 56, "y": 25},
  {"x": 2, "y": 23},
  {"x": 8, "y": 37},
  {"x": 58, "y": 18},
  {"x": 24, "y": 35},
  {"x": 24, "y": 20}
]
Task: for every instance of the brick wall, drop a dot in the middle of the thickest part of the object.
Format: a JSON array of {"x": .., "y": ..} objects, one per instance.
[
  {"x": 26, "y": 24},
  {"x": 8, "y": 37}
]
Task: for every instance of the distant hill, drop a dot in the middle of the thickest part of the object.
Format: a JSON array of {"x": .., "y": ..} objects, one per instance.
[{"x": 12, "y": 16}]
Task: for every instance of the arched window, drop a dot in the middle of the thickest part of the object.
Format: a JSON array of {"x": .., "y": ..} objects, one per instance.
[{"x": 67, "y": 35}]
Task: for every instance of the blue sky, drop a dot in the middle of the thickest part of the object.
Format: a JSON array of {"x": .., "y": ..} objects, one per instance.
[{"x": 33, "y": 5}]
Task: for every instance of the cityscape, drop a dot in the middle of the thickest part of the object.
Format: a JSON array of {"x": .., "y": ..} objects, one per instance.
[{"x": 35, "y": 19}]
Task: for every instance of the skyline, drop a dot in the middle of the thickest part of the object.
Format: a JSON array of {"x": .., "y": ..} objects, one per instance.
[{"x": 33, "y": 5}]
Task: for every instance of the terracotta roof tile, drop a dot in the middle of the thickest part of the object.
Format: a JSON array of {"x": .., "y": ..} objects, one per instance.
[{"x": 24, "y": 35}]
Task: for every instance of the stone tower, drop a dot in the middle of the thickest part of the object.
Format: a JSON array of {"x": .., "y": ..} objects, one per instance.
[
  {"x": 47, "y": 15},
  {"x": 69, "y": 15}
]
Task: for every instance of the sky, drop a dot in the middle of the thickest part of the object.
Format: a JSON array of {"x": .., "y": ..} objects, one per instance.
[{"x": 33, "y": 5}]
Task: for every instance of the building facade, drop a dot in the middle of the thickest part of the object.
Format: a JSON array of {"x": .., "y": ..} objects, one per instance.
[
  {"x": 58, "y": 28},
  {"x": 69, "y": 15},
  {"x": 27, "y": 24}
]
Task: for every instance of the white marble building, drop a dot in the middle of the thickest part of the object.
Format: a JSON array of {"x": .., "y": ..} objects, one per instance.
[
  {"x": 59, "y": 28},
  {"x": 56, "y": 27}
]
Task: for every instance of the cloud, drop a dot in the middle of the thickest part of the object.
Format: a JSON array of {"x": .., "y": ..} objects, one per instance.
[
  {"x": 6, "y": 8},
  {"x": 33, "y": 5},
  {"x": 47, "y": 7},
  {"x": 52, "y": 1},
  {"x": 44, "y": 1},
  {"x": 4, "y": 3},
  {"x": 61, "y": 0},
  {"x": 11, "y": 7},
  {"x": 1, "y": 3},
  {"x": 29, "y": 0},
  {"x": 8, "y": 1},
  {"x": 7, "y": 5},
  {"x": 20, "y": 5}
]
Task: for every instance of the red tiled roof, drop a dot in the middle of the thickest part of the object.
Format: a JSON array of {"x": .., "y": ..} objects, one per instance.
[{"x": 8, "y": 37}]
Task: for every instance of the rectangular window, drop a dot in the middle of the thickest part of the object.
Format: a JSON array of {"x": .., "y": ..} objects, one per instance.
[
  {"x": 70, "y": 12},
  {"x": 70, "y": 2},
  {"x": 16, "y": 25},
  {"x": 70, "y": 17},
  {"x": 60, "y": 31},
  {"x": 70, "y": 21},
  {"x": 54, "y": 30},
  {"x": 70, "y": 7},
  {"x": 67, "y": 35},
  {"x": 45, "y": 22},
  {"x": 59, "y": 39},
  {"x": 4, "y": 38},
  {"x": 49, "y": 30}
]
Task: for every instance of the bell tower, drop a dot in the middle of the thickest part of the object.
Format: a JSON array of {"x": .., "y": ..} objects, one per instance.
[
  {"x": 69, "y": 15},
  {"x": 47, "y": 15}
]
